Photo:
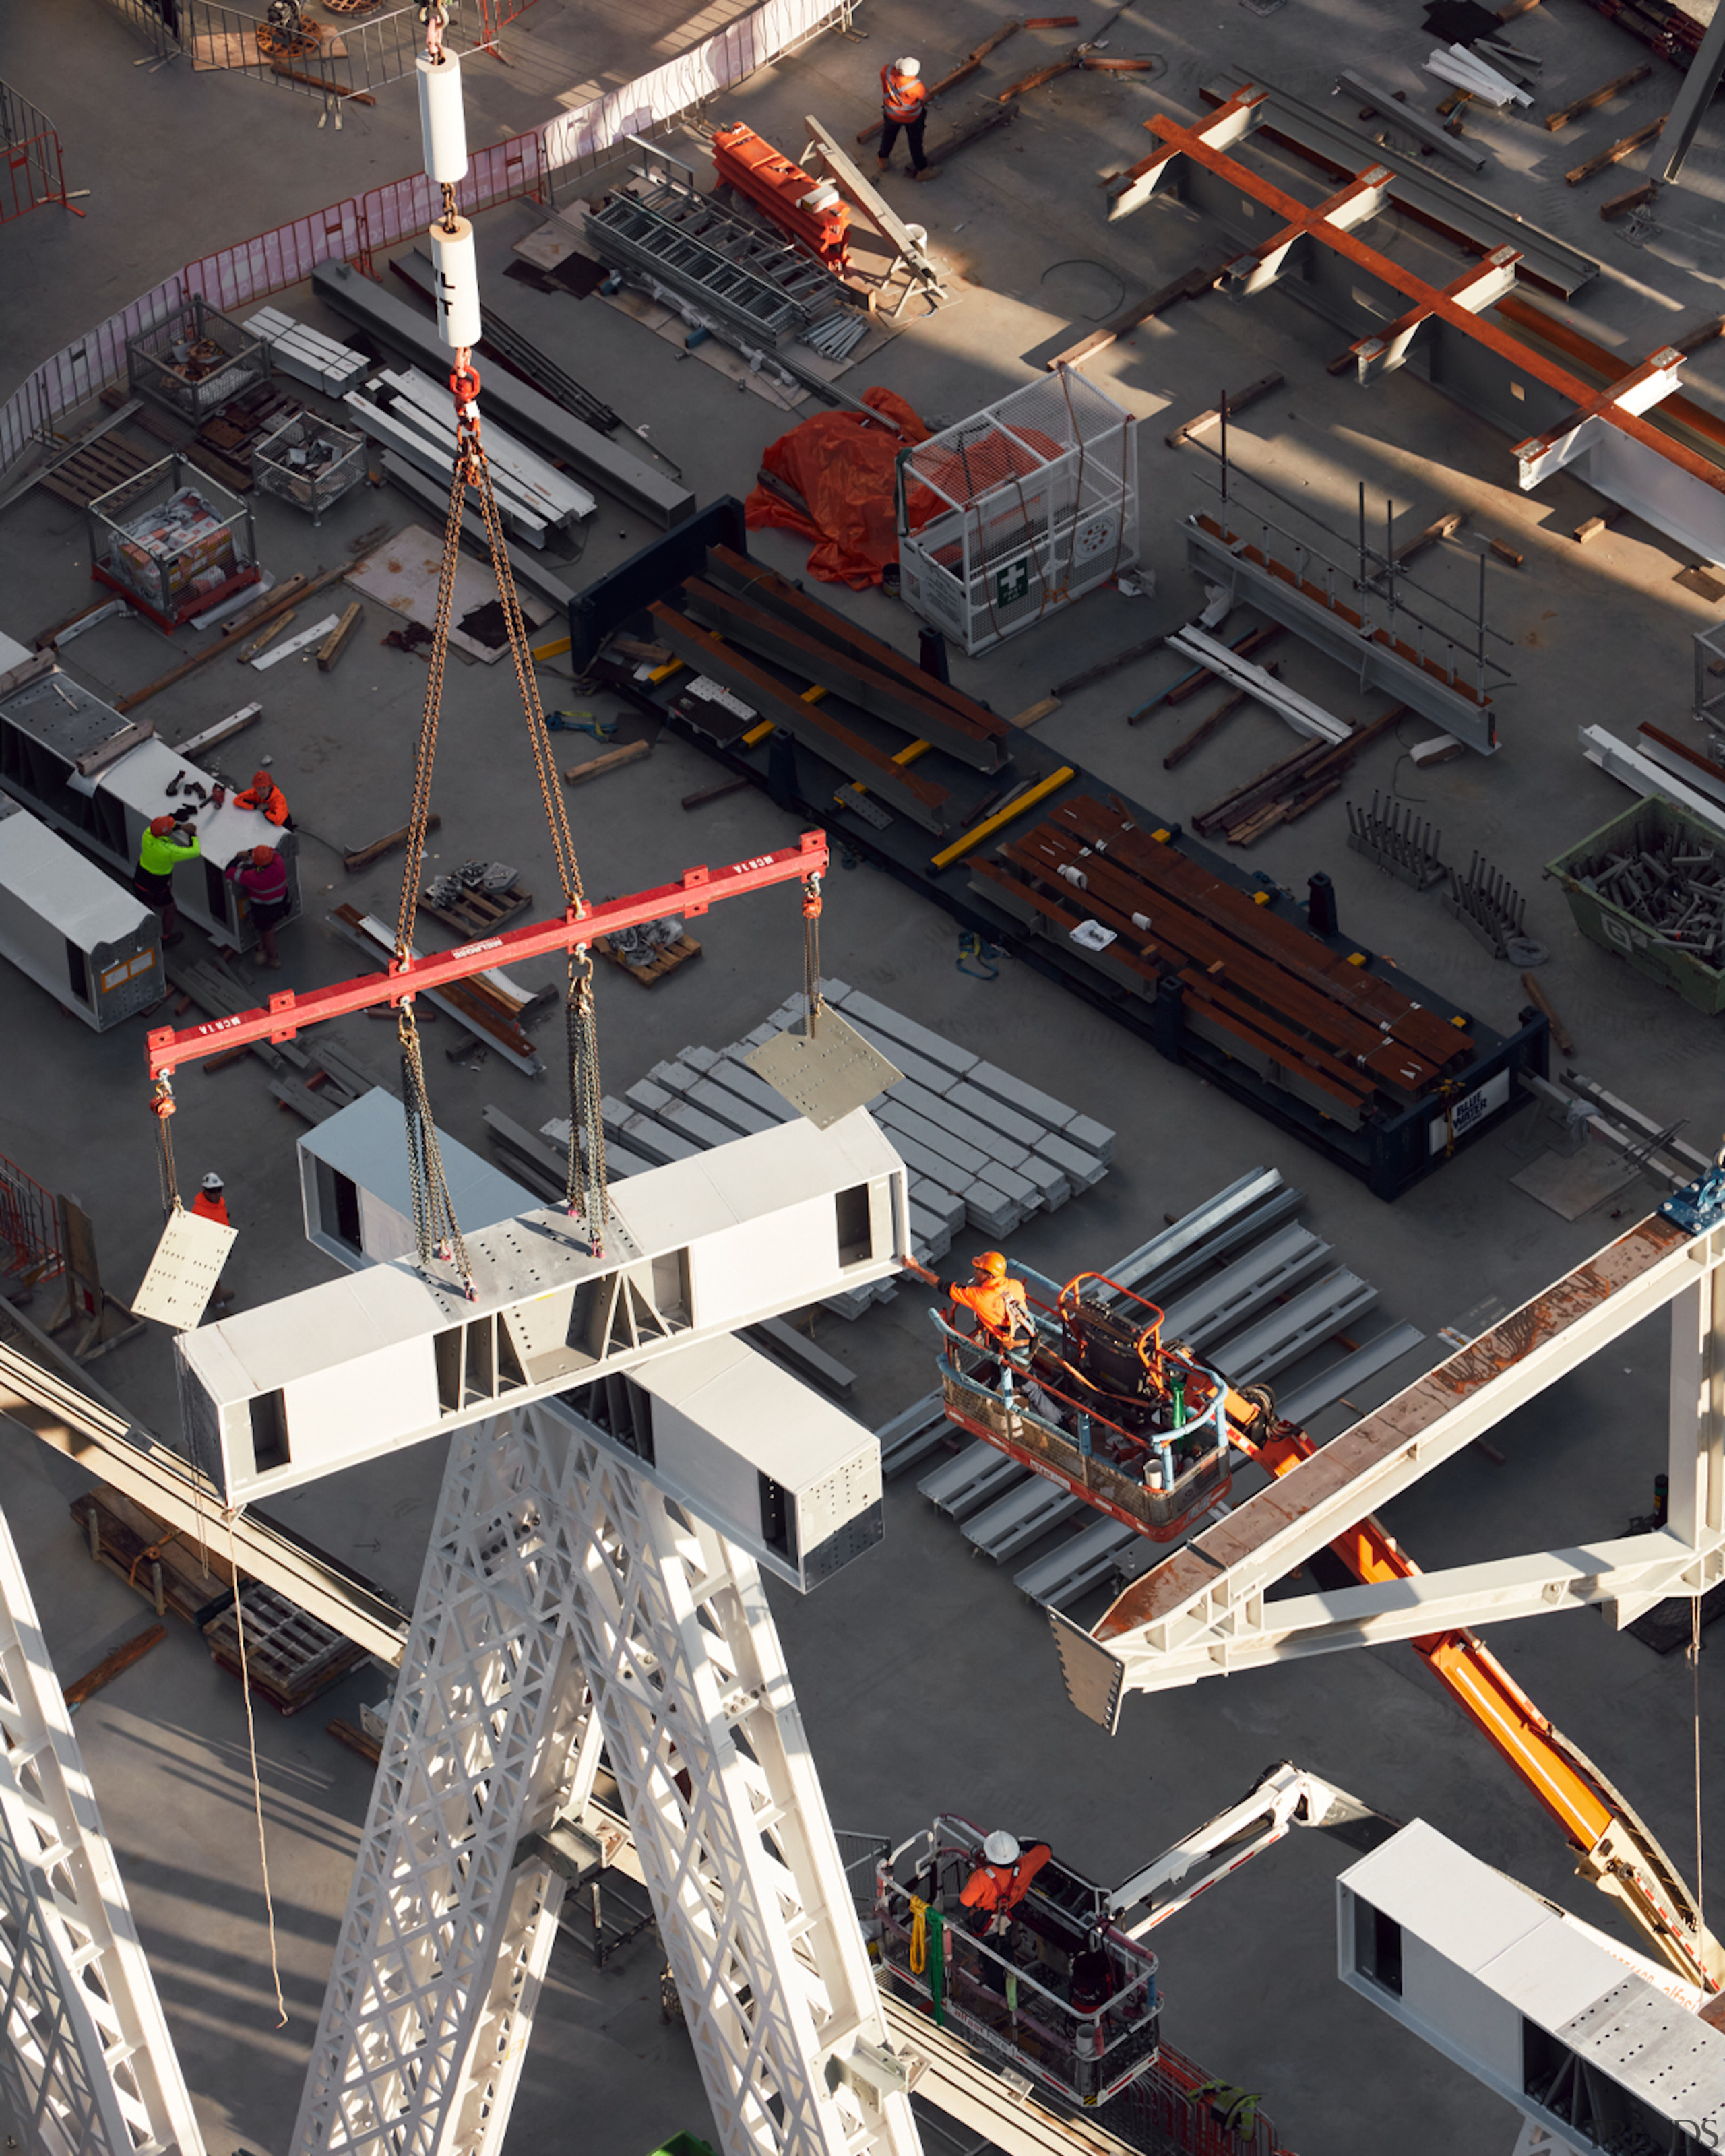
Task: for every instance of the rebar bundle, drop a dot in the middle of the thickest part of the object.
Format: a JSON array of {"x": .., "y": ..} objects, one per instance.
[{"x": 1396, "y": 840}]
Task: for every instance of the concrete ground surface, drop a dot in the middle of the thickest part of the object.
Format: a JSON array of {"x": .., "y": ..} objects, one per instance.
[{"x": 926, "y": 1682}]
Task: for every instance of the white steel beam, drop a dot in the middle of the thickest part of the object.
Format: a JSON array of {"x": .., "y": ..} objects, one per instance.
[
  {"x": 445, "y": 1937},
  {"x": 1188, "y": 1616},
  {"x": 556, "y": 1566},
  {"x": 1627, "y": 1575},
  {"x": 708, "y": 1749},
  {"x": 105, "y": 1445},
  {"x": 87, "y": 2066}
]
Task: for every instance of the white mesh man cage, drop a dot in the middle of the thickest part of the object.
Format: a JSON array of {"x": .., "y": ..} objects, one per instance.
[{"x": 1035, "y": 502}]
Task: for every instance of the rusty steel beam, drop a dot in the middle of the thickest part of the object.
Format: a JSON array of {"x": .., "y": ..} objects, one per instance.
[
  {"x": 1191, "y": 1592},
  {"x": 1698, "y": 517}
]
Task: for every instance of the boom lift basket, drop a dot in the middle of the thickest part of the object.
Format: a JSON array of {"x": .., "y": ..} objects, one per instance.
[
  {"x": 1011, "y": 1997},
  {"x": 1137, "y": 1429}
]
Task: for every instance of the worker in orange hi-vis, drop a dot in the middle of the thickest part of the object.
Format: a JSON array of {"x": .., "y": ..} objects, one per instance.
[
  {"x": 1002, "y": 1880},
  {"x": 267, "y": 798},
  {"x": 904, "y": 104},
  {"x": 211, "y": 1203},
  {"x": 997, "y": 1298}
]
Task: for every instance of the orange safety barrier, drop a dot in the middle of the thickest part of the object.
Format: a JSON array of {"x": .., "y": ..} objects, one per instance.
[{"x": 808, "y": 211}]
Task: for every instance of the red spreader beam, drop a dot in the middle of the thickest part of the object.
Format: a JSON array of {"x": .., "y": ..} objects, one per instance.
[{"x": 289, "y": 1013}]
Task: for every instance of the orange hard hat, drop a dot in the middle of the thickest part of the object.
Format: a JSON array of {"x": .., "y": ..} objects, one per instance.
[
  {"x": 161, "y": 826},
  {"x": 261, "y": 780},
  {"x": 991, "y": 1263},
  {"x": 262, "y": 856}
]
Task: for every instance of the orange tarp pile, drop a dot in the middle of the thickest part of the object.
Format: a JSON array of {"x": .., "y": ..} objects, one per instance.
[{"x": 841, "y": 465}]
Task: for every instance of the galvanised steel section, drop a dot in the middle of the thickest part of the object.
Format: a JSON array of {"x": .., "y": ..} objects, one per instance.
[{"x": 87, "y": 2066}]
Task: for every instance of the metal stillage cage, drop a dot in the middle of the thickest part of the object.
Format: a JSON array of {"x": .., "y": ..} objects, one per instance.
[
  {"x": 1026, "y": 506},
  {"x": 195, "y": 361},
  {"x": 310, "y": 462}
]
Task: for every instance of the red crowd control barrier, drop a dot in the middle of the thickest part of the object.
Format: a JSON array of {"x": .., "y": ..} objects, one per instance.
[{"x": 33, "y": 175}]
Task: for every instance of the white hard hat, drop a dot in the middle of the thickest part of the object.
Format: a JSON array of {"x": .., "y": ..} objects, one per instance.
[
  {"x": 908, "y": 66},
  {"x": 1001, "y": 1847},
  {"x": 213, "y": 1182}
]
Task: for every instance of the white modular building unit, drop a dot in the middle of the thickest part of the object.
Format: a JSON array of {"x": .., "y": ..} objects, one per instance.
[
  {"x": 358, "y": 1194},
  {"x": 75, "y": 931},
  {"x": 360, "y": 1367},
  {"x": 741, "y": 1442},
  {"x": 1599, "y": 2048},
  {"x": 101, "y": 778},
  {"x": 1035, "y": 503}
]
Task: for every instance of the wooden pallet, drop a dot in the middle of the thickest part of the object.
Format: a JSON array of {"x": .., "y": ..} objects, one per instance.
[
  {"x": 480, "y": 912},
  {"x": 291, "y": 1656},
  {"x": 95, "y": 469},
  {"x": 154, "y": 1560},
  {"x": 668, "y": 961}
]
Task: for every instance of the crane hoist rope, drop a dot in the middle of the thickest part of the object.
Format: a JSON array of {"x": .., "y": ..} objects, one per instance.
[{"x": 586, "y": 1192}]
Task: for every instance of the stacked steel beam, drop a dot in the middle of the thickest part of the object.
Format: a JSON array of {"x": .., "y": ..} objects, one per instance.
[
  {"x": 769, "y": 645},
  {"x": 1264, "y": 989}
]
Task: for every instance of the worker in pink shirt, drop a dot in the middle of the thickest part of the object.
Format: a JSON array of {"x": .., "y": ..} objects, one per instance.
[{"x": 262, "y": 875}]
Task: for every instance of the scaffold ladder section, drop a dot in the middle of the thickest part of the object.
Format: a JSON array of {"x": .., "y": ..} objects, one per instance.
[{"x": 87, "y": 2067}]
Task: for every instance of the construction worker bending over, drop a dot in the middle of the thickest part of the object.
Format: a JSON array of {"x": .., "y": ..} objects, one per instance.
[
  {"x": 162, "y": 845},
  {"x": 904, "y": 104},
  {"x": 262, "y": 875},
  {"x": 211, "y": 1205},
  {"x": 1002, "y": 1880},
  {"x": 267, "y": 798}
]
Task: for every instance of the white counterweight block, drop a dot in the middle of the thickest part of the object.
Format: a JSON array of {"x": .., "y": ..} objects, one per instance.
[
  {"x": 443, "y": 124},
  {"x": 455, "y": 275}
]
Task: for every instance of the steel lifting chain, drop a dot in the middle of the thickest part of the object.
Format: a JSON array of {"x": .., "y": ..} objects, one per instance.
[
  {"x": 162, "y": 1105},
  {"x": 587, "y": 1191},
  {"x": 812, "y": 999},
  {"x": 435, "y": 1227}
]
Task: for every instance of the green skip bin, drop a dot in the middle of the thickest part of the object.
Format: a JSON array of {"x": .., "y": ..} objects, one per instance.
[{"x": 1651, "y": 886}]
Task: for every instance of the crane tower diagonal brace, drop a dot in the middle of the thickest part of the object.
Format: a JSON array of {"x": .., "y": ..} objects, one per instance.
[{"x": 288, "y": 1013}]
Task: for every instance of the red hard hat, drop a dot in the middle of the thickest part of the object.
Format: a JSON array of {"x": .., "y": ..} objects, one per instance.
[
  {"x": 262, "y": 856},
  {"x": 161, "y": 827},
  {"x": 990, "y": 1262},
  {"x": 261, "y": 780}
]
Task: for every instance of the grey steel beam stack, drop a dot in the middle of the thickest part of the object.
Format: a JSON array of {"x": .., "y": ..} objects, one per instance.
[{"x": 984, "y": 1149}]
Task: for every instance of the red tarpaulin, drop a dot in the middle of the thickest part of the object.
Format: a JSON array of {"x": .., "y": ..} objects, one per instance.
[{"x": 841, "y": 465}]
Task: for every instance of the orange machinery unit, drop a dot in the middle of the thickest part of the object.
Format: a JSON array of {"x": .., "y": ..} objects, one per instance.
[{"x": 808, "y": 211}]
